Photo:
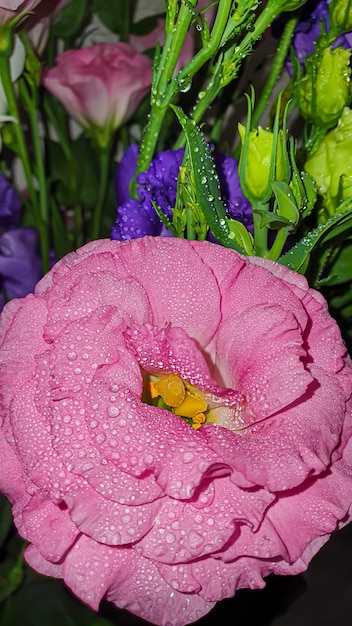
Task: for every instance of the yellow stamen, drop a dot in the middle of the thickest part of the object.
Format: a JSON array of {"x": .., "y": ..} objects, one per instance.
[
  {"x": 191, "y": 405},
  {"x": 198, "y": 420},
  {"x": 153, "y": 390},
  {"x": 171, "y": 389}
]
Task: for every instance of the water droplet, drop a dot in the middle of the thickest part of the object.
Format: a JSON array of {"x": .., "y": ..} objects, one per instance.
[{"x": 113, "y": 411}]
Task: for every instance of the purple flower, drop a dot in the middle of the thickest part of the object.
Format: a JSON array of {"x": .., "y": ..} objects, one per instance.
[
  {"x": 314, "y": 15},
  {"x": 10, "y": 205},
  {"x": 20, "y": 263},
  {"x": 137, "y": 217}
]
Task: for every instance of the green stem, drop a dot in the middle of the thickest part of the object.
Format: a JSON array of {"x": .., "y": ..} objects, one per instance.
[
  {"x": 165, "y": 88},
  {"x": 315, "y": 138},
  {"x": 8, "y": 86},
  {"x": 275, "y": 69},
  {"x": 78, "y": 227},
  {"x": 31, "y": 107},
  {"x": 57, "y": 126},
  {"x": 104, "y": 154},
  {"x": 260, "y": 232},
  {"x": 22, "y": 153},
  {"x": 234, "y": 56},
  {"x": 277, "y": 247}
]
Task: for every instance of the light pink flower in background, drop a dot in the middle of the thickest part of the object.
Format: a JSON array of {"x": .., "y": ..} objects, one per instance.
[
  {"x": 176, "y": 423},
  {"x": 39, "y": 24},
  {"x": 157, "y": 36},
  {"x": 101, "y": 85},
  {"x": 11, "y": 8}
]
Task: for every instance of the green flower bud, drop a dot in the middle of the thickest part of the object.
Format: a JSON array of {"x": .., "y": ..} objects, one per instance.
[
  {"x": 257, "y": 170},
  {"x": 340, "y": 15},
  {"x": 331, "y": 164},
  {"x": 324, "y": 89}
]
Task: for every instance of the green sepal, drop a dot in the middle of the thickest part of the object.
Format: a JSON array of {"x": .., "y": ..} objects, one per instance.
[
  {"x": 285, "y": 203},
  {"x": 164, "y": 219},
  {"x": 206, "y": 182},
  {"x": 242, "y": 236},
  {"x": 297, "y": 258}
]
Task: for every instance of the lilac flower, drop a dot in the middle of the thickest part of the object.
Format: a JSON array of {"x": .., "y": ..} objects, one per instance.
[
  {"x": 10, "y": 205},
  {"x": 137, "y": 217},
  {"x": 314, "y": 15},
  {"x": 20, "y": 264}
]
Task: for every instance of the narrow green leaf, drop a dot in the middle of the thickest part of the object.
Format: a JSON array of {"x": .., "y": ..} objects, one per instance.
[
  {"x": 206, "y": 182},
  {"x": 297, "y": 258},
  {"x": 70, "y": 20}
]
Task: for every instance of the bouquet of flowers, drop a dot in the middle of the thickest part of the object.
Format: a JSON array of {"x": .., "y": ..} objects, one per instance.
[{"x": 176, "y": 286}]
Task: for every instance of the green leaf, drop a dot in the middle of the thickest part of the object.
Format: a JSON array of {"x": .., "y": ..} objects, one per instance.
[
  {"x": 114, "y": 15},
  {"x": 297, "y": 258},
  {"x": 144, "y": 26},
  {"x": 286, "y": 205},
  {"x": 76, "y": 179},
  {"x": 11, "y": 567},
  {"x": 242, "y": 236},
  {"x": 5, "y": 518},
  {"x": 41, "y": 602},
  {"x": 340, "y": 271},
  {"x": 70, "y": 20},
  {"x": 206, "y": 182}
]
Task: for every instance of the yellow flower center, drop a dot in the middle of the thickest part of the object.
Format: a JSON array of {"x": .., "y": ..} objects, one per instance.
[{"x": 179, "y": 397}]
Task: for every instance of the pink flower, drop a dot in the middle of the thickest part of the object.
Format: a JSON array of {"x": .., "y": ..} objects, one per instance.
[
  {"x": 102, "y": 85},
  {"x": 38, "y": 25},
  {"x": 11, "y": 8},
  {"x": 157, "y": 36},
  {"x": 165, "y": 511}
]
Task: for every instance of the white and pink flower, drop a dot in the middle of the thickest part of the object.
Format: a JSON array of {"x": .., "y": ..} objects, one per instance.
[
  {"x": 176, "y": 424},
  {"x": 102, "y": 85}
]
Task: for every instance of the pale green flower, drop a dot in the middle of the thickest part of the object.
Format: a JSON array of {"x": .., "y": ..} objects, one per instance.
[{"x": 331, "y": 164}]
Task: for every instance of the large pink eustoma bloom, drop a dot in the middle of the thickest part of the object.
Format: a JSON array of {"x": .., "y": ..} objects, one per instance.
[
  {"x": 125, "y": 500},
  {"x": 101, "y": 85}
]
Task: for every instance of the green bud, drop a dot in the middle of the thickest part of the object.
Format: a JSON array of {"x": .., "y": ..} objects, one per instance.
[
  {"x": 258, "y": 167},
  {"x": 324, "y": 89},
  {"x": 285, "y": 205},
  {"x": 331, "y": 164},
  {"x": 340, "y": 15}
]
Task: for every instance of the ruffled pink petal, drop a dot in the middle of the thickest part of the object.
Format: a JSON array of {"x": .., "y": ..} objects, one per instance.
[
  {"x": 40, "y": 463},
  {"x": 323, "y": 338},
  {"x": 90, "y": 568},
  {"x": 12, "y": 483},
  {"x": 110, "y": 522},
  {"x": 254, "y": 286},
  {"x": 170, "y": 350},
  {"x": 48, "y": 526},
  {"x": 259, "y": 351},
  {"x": 88, "y": 293},
  {"x": 184, "y": 533},
  {"x": 214, "y": 580},
  {"x": 166, "y": 273},
  {"x": 15, "y": 370},
  {"x": 40, "y": 564},
  {"x": 142, "y": 590},
  {"x": 281, "y": 452}
]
